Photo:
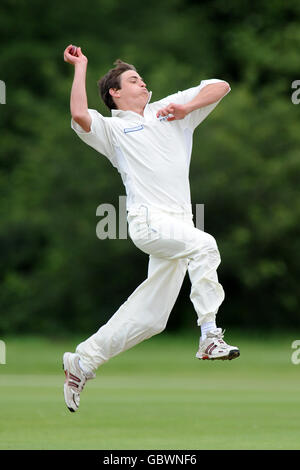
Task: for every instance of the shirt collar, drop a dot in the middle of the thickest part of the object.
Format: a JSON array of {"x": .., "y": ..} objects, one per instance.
[{"x": 121, "y": 113}]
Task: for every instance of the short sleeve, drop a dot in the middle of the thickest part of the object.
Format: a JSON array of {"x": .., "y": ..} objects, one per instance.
[
  {"x": 99, "y": 137},
  {"x": 193, "y": 119}
]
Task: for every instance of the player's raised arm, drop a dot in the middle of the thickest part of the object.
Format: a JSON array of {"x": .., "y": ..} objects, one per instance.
[{"x": 78, "y": 100}]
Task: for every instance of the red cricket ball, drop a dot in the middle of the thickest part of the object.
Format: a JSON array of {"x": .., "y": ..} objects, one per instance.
[{"x": 73, "y": 50}]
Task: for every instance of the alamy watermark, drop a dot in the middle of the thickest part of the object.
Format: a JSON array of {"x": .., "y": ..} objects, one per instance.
[
  {"x": 2, "y": 92},
  {"x": 113, "y": 223},
  {"x": 2, "y": 352},
  {"x": 295, "y": 358},
  {"x": 295, "y": 95}
]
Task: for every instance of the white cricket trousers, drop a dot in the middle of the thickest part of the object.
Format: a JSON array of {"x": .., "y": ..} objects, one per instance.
[{"x": 174, "y": 245}]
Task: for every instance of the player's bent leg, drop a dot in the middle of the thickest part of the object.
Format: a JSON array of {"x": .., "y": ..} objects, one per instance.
[
  {"x": 173, "y": 238},
  {"x": 207, "y": 293}
]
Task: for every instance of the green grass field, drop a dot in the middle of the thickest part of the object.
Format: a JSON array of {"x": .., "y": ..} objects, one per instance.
[{"x": 154, "y": 396}]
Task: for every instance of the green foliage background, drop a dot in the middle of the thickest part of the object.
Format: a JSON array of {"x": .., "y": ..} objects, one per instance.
[{"x": 56, "y": 275}]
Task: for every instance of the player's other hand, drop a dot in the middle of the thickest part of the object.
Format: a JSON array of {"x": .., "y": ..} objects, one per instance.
[
  {"x": 78, "y": 58},
  {"x": 178, "y": 111}
]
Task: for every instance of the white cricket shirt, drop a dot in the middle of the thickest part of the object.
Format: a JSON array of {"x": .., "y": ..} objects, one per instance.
[{"x": 151, "y": 155}]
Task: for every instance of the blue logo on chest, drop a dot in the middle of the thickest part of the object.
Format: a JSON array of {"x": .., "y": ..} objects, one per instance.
[{"x": 133, "y": 129}]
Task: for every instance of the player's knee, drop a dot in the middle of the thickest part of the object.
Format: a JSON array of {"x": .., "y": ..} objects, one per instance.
[
  {"x": 152, "y": 327},
  {"x": 210, "y": 243},
  {"x": 214, "y": 258},
  {"x": 213, "y": 255},
  {"x": 209, "y": 248},
  {"x": 158, "y": 327}
]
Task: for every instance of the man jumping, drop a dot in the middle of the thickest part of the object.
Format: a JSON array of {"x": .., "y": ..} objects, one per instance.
[{"x": 150, "y": 144}]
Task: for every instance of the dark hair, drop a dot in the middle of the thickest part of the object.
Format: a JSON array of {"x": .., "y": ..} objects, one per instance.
[{"x": 112, "y": 80}]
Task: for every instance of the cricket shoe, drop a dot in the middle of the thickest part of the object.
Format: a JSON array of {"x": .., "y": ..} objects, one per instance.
[
  {"x": 75, "y": 380},
  {"x": 213, "y": 347}
]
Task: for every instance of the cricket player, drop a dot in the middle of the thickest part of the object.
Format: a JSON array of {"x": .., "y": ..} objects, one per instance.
[{"x": 150, "y": 144}]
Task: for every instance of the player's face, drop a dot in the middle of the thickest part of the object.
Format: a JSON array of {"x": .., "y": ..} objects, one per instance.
[{"x": 133, "y": 86}]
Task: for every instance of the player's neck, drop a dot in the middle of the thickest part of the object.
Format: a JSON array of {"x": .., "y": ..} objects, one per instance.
[{"x": 135, "y": 107}]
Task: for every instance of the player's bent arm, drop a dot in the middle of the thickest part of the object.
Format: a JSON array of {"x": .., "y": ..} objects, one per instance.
[
  {"x": 208, "y": 95},
  {"x": 78, "y": 101}
]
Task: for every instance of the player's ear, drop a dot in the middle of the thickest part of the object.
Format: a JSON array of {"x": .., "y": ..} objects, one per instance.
[{"x": 114, "y": 92}]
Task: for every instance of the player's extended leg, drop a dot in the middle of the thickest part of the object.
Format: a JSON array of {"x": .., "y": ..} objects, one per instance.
[{"x": 144, "y": 314}]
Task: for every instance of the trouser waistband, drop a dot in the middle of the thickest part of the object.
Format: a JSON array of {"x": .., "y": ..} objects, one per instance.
[{"x": 136, "y": 209}]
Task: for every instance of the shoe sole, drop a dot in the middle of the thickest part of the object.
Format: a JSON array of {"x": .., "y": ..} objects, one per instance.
[
  {"x": 64, "y": 369},
  {"x": 234, "y": 353}
]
